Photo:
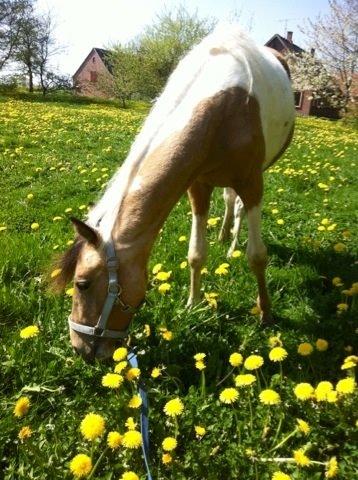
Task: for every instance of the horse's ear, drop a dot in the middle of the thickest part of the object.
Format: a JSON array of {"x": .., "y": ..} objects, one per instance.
[{"x": 85, "y": 231}]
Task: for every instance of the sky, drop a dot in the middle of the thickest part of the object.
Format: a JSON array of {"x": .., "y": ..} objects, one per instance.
[{"x": 84, "y": 24}]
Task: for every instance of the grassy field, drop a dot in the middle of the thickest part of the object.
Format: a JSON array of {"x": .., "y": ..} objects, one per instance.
[{"x": 55, "y": 159}]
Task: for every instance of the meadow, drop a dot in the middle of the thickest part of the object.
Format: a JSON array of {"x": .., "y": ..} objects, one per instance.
[{"x": 228, "y": 398}]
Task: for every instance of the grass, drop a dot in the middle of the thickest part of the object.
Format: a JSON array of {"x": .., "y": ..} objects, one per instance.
[{"x": 57, "y": 156}]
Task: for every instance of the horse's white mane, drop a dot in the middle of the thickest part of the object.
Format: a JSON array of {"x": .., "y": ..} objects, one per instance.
[{"x": 226, "y": 39}]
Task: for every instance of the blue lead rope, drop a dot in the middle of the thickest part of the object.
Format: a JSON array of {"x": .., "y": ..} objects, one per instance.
[{"x": 144, "y": 422}]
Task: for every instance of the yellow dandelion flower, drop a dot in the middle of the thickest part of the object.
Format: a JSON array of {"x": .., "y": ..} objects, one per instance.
[
  {"x": 35, "y": 226},
  {"x": 331, "y": 468},
  {"x": 229, "y": 395},
  {"x": 255, "y": 310},
  {"x": 253, "y": 362},
  {"x": 269, "y": 397},
  {"x": 55, "y": 273},
  {"x": 120, "y": 366},
  {"x": 183, "y": 264},
  {"x": 304, "y": 391},
  {"x": 92, "y": 426},
  {"x": 236, "y": 359},
  {"x": 166, "y": 458},
  {"x": 133, "y": 374},
  {"x": 332, "y": 396},
  {"x": 157, "y": 268},
  {"x": 280, "y": 221},
  {"x": 339, "y": 247},
  {"x": 24, "y": 433},
  {"x": 112, "y": 380},
  {"x": 70, "y": 291},
  {"x": 200, "y": 431},
  {"x": 222, "y": 269},
  {"x": 305, "y": 349},
  {"x": 321, "y": 344},
  {"x": 200, "y": 365},
  {"x": 132, "y": 439},
  {"x": 354, "y": 288},
  {"x": 182, "y": 238},
  {"x": 350, "y": 362},
  {"x": 274, "y": 211},
  {"x": 199, "y": 356},
  {"x": 174, "y": 407},
  {"x": 212, "y": 222},
  {"x": 30, "y": 196},
  {"x": 280, "y": 476},
  {"x": 167, "y": 335},
  {"x": 163, "y": 276},
  {"x": 301, "y": 458},
  {"x": 169, "y": 444},
  {"x": 303, "y": 426},
  {"x": 245, "y": 380},
  {"x": 164, "y": 288},
  {"x": 81, "y": 465},
  {"x": 147, "y": 331},
  {"x": 236, "y": 254},
  {"x": 156, "y": 372},
  {"x": 322, "y": 390},
  {"x": 337, "y": 282},
  {"x": 211, "y": 299},
  {"x": 277, "y": 354},
  {"x": 346, "y": 386},
  {"x": 22, "y": 407},
  {"x": 114, "y": 440},
  {"x": 342, "y": 307},
  {"x": 135, "y": 402},
  {"x": 130, "y": 423},
  {"x": 275, "y": 341},
  {"x": 120, "y": 354},
  {"x": 204, "y": 271},
  {"x": 129, "y": 476},
  {"x": 29, "y": 332}
]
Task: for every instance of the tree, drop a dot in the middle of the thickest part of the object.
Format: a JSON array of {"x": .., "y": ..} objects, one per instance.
[
  {"x": 27, "y": 48},
  {"x": 309, "y": 73},
  {"x": 12, "y": 14},
  {"x": 335, "y": 38}
]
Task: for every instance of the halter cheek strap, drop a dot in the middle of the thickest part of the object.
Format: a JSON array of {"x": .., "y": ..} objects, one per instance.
[{"x": 113, "y": 297}]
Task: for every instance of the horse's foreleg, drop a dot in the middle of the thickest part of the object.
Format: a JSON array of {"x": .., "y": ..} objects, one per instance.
[
  {"x": 239, "y": 214},
  {"x": 199, "y": 195}
]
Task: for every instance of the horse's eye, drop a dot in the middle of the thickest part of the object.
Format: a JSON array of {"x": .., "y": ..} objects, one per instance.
[{"x": 83, "y": 284}]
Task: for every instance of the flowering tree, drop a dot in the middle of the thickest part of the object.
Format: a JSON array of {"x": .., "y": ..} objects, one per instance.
[{"x": 335, "y": 38}]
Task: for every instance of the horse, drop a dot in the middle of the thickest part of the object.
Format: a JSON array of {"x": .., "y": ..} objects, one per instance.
[{"x": 226, "y": 114}]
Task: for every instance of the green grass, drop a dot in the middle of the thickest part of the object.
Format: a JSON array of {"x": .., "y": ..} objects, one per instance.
[{"x": 63, "y": 153}]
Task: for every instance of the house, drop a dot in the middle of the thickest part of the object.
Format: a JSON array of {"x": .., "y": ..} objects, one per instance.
[{"x": 86, "y": 80}]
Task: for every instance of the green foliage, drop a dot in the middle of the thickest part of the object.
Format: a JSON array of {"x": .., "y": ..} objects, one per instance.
[{"x": 63, "y": 153}]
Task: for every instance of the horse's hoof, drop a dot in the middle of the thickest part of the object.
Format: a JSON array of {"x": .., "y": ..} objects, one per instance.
[{"x": 267, "y": 319}]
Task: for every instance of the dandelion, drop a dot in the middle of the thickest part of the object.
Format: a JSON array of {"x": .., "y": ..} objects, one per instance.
[
  {"x": 212, "y": 222},
  {"x": 167, "y": 335},
  {"x": 253, "y": 362},
  {"x": 332, "y": 396},
  {"x": 182, "y": 238},
  {"x": 211, "y": 299},
  {"x": 147, "y": 331},
  {"x": 331, "y": 468},
  {"x": 322, "y": 389},
  {"x": 275, "y": 341},
  {"x": 229, "y": 395},
  {"x": 130, "y": 423},
  {"x": 81, "y": 465},
  {"x": 280, "y": 221},
  {"x": 255, "y": 310},
  {"x": 321, "y": 345},
  {"x": 114, "y": 440},
  {"x": 29, "y": 332},
  {"x": 278, "y": 354},
  {"x": 236, "y": 254},
  {"x": 22, "y": 407},
  {"x": 199, "y": 356},
  {"x": 222, "y": 269},
  {"x": 92, "y": 426},
  {"x": 339, "y": 247},
  {"x": 157, "y": 268},
  {"x": 303, "y": 426},
  {"x": 169, "y": 444},
  {"x": 24, "y": 433},
  {"x": 346, "y": 386},
  {"x": 337, "y": 282},
  {"x": 55, "y": 273},
  {"x": 129, "y": 476},
  {"x": 200, "y": 431},
  {"x": 30, "y": 196},
  {"x": 280, "y": 476},
  {"x": 245, "y": 380},
  {"x": 135, "y": 402},
  {"x": 112, "y": 380},
  {"x": 305, "y": 349},
  {"x": 174, "y": 407},
  {"x": 120, "y": 366},
  {"x": 156, "y": 372},
  {"x": 304, "y": 391},
  {"x": 183, "y": 264},
  {"x": 163, "y": 276},
  {"x": 132, "y": 439},
  {"x": 166, "y": 458},
  {"x": 133, "y": 374},
  {"x": 70, "y": 291},
  {"x": 200, "y": 365},
  {"x": 274, "y": 211},
  {"x": 300, "y": 458},
  {"x": 342, "y": 307},
  {"x": 236, "y": 359},
  {"x": 269, "y": 397},
  {"x": 120, "y": 354},
  {"x": 35, "y": 226},
  {"x": 164, "y": 288},
  {"x": 349, "y": 362}
]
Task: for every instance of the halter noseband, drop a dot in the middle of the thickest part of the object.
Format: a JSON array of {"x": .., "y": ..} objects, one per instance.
[{"x": 113, "y": 297}]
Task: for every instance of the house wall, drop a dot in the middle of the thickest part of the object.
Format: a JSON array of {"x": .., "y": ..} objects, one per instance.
[{"x": 87, "y": 80}]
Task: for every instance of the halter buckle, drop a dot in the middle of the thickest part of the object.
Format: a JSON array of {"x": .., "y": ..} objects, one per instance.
[{"x": 114, "y": 287}]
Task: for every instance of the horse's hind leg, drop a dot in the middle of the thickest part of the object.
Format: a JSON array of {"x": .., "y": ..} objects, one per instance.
[
  {"x": 199, "y": 195},
  {"x": 229, "y": 195},
  {"x": 239, "y": 213}
]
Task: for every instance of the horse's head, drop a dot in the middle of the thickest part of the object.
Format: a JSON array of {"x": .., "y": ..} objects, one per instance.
[{"x": 100, "y": 315}]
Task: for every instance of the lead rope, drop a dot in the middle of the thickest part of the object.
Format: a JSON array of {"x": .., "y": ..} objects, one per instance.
[{"x": 144, "y": 410}]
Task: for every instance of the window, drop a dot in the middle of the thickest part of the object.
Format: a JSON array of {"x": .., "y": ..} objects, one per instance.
[
  {"x": 93, "y": 59},
  {"x": 93, "y": 77},
  {"x": 298, "y": 99}
]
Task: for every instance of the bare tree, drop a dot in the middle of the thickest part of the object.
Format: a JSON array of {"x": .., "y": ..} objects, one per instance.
[
  {"x": 12, "y": 14},
  {"x": 335, "y": 38},
  {"x": 27, "y": 48}
]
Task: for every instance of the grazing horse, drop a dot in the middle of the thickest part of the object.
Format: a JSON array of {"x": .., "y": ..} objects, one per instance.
[{"x": 225, "y": 115}]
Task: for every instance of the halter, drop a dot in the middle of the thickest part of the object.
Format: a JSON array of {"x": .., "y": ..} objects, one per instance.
[{"x": 113, "y": 298}]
